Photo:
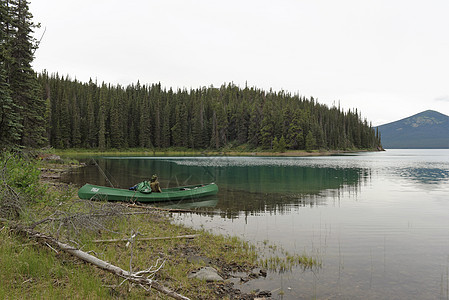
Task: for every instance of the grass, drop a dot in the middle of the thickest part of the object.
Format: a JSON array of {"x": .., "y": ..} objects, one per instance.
[
  {"x": 276, "y": 259},
  {"x": 32, "y": 271}
]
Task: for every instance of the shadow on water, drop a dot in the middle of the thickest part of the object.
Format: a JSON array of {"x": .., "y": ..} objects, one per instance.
[{"x": 209, "y": 202}]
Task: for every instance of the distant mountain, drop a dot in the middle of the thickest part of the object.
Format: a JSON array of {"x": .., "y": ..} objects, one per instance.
[{"x": 426, "y": 130}]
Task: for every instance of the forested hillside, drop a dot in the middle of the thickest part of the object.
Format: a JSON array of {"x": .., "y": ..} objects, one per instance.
[
  {"x": 49, "y": 110},
  {"x": 90, "y": 115}
]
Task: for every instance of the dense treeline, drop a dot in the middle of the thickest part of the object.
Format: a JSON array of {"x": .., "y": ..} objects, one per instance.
[
  {"x": 21, "y": 107},
  {"x": 90, "y": 115},
  {"x": 38, "y": 110}
]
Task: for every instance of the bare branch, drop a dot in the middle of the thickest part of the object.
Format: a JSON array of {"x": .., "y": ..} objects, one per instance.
[{"x": 51, "y": 248}]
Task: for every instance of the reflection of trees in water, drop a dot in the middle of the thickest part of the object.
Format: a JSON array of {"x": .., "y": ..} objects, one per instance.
[
  {"x": 250, "y": 189},
  {"x": 234, "y": 202},
  {"x": 126, "y": 172},
  {"x": 300, "y": 180},
  {"x": 279, "y": 190}
]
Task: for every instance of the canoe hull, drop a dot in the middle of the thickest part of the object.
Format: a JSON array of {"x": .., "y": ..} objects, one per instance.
[{"x": 89, "y": 191}]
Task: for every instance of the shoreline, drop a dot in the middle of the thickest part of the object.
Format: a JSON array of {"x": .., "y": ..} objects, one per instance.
[
  {"x": 170, "y": 152},
  {"x": 189, "y": 256}
]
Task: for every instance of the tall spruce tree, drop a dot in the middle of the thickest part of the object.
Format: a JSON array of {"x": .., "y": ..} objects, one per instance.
[
  {"x": 166, "y": 129},
  {"x": 10, "y": 125},
  {"x": 25, "y": 91},
  {"x": 9, "y": 119},
  {"x": 268, "y": 124},
  {"x": 102, "y": 117}
]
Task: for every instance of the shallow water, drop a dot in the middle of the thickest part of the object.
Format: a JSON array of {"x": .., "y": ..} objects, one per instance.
[{"x": 378, "y": 222}]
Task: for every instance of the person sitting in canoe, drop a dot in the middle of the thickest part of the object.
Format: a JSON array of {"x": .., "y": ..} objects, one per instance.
[{"x": 154, "y": 183}]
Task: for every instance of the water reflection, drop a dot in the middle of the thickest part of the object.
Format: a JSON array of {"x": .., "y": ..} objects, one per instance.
[
  {"x": 249, "y": 185},
  {"x": 189, "y": 204}
]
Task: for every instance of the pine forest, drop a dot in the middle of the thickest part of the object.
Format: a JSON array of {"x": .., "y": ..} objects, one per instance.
[
  {"x": 88, "y": 115},
  {"x": 52, "y": 110}
]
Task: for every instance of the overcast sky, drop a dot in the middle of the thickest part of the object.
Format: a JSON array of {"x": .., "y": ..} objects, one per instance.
[{"x": 387, "y": 58}]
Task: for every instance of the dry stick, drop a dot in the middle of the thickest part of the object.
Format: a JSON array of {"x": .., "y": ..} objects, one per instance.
[
  {"x": 188, "y": 236},
  {"x": 176, "y": 210},
  {"x": 132, "y": 277}
]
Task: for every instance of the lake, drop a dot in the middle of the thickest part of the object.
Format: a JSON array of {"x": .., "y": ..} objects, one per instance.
[{"x": 377, "y": 222}]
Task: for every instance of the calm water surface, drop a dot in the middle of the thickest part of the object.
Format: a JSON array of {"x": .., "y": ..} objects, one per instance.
[{"x": 378, "y": 222}]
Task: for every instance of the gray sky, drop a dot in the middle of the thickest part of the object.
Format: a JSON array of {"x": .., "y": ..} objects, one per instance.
[{"x": 387, "y": 58}]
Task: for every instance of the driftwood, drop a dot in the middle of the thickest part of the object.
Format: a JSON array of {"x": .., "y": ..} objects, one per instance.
[
  {"x": 134, "y": 277},
  {"x": 187, "y": 236}
]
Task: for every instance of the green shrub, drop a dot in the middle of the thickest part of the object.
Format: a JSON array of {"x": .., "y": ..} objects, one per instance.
[{"x": 21, "y": 173}]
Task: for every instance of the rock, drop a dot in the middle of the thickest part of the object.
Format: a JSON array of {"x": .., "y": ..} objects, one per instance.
[
  {"x": 238, "y": 274},
  {"x": 255, "y": 273},
  {"x": 206, "y": 273},
  {"x": 264, "y": 294},
  {"x": 233, "y": 281}
]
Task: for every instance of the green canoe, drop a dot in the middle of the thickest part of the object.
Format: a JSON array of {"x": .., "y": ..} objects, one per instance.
[{"x": 89, "y": 191}]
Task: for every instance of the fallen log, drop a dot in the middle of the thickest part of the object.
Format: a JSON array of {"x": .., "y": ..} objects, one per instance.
[
  {"x": 187, "y": 236},
  {"x": 130, "y": 276}
]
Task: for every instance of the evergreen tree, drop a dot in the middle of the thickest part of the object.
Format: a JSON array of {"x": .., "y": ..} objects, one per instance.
[
  {"x": 282, "y": 145},
  {"x": 115, "y": 117},
  {"x": 64, "y": 127},
  {"x": 25, "y": 90},
  {"x": 102, "y": 117},
  {"x": 91, "y": 134},
  {"x": 254, "y": 127},
  {"x": 268, "y": 126},
  {"x": 166, "y": 132},
  {"x": 10, "y": 126},
  {"x": 310, "y": 141},
  {"x": 222, "y": 125},
  {"x": 242, "y": 122},
  {"x": 176, "y": 130},
  {"x": 145, "y": 126},
  {"x": 156, "y": 110},
  {"x": 76, "y": 123},
  {"x": 295, "y": 137},
  {"x": 215, "y": 140},
  {"x": 275, "y": 144},
  {"x": 198, "y": 125}
]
